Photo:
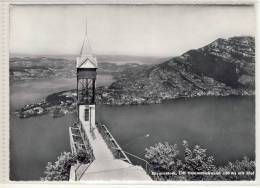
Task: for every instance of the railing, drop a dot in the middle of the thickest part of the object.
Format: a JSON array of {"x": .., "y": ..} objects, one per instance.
[
  {"x": 76, "y": 171},
  {"x": 78, "y": 174},
  {"x": 79, "y": 140},
  {"x": 145, "y": 165},
  {"x": 121, "y": 154},
  {"x": 76, "y": 141},
  {"x": 86, "y": 141},
  {"x": 72, "y": 144},
  {"x": 112, "y": 143}
]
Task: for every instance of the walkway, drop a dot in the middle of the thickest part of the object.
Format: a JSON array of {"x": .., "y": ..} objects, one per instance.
[{"x": 105, "y": 166}]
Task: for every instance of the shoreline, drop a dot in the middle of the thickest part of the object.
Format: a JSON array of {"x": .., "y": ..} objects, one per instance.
[{"x": 60, "y": 103}]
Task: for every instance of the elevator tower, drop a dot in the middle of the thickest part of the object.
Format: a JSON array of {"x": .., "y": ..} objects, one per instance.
[{"x": 86, "y": 81}]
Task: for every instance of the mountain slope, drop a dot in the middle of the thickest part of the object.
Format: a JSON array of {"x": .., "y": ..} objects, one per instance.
[{"x": 224, "y": 67}]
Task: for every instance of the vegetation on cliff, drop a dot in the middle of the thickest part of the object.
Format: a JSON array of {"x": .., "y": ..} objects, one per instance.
[
  {"x": 60, "y": 169},
  {"x": 168, "y": 162}
]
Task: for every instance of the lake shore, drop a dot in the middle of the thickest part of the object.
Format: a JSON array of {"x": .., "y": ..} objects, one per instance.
[
  {"x": 172, "y": 121},
  {"x": 63, "y": 102}
]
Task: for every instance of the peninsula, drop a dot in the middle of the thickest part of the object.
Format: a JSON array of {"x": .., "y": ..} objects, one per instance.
[{"x": 224, "y": 67}]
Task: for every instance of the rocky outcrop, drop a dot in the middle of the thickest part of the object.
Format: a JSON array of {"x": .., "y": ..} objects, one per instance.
[{"x": 229, "y": 61}]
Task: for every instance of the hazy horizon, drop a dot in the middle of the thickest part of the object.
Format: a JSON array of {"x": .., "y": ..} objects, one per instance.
[
  {"x": 127, "y": 30},
  {"x": 76, "y": 55},
  {"x": 127, "y": 55}
]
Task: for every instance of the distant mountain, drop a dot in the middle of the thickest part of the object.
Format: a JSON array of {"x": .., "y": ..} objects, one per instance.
[
  {"x": 127, "y": 59},
  {"x": 24, "y": 68},
  {"x": 224, "y": 67}
]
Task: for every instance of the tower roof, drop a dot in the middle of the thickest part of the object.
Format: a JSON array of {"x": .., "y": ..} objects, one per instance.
[{"x": 86, "y": 59}]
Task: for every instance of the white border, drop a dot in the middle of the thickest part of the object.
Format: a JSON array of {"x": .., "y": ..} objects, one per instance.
[
  {"x": 4, "y": 96},
  {"x": 130, "y": 1}
]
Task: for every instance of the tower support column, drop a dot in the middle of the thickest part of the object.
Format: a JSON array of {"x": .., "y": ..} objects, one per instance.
[{"x": 88, "y": 116}]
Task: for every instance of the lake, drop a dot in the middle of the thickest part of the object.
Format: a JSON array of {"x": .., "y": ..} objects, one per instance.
[
  {"x": 223, "y": 125},
  {"x": 38, "y": 140},
  {"x": 34, "y": 142},
  {"x": 29, "y": 91}
]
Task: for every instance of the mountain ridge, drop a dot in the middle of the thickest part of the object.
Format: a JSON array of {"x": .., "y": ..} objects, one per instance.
[{"x": 223, "y": 67}]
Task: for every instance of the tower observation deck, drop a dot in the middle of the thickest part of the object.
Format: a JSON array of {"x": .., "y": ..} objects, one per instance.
[{"x": 103, "y": 165}]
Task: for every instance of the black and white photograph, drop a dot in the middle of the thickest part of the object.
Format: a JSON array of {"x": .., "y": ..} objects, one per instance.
[{"x": 132, "y": 92}]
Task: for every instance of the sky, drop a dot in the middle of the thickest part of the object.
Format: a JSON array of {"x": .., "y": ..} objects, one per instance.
[{"x": 142, "y": 30}]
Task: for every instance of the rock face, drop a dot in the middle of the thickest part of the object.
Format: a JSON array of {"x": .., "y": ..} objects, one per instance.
[
  {"x": 229, "y": 61},
  {"x": 224, "y": 67}
]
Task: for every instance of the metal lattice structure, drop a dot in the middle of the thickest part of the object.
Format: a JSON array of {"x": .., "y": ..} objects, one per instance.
[
  {"x": 86, "y": 74},
  {"x": 86, "y": 90}
]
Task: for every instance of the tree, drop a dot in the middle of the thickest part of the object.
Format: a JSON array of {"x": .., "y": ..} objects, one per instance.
[
  {"x": 83, "y": 156},
  {"x": 239, "y": 170},
  {"x": 165, "y": 158},
  {"x": 168, "y": 158},
  {"x": 60, "y": 170},
  {"x": 197, "y": 160}
]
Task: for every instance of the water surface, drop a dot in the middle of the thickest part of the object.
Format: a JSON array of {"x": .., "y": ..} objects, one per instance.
[
  {"x": 225, "y": 126},
  {"x": 34, "y": 142},
  {"x": 38, "y": 140}
]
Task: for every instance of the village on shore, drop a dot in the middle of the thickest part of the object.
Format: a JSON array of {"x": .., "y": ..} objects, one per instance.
[{"x": 62, "y": 103}]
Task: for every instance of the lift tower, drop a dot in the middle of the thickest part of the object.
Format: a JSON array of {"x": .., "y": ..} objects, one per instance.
[{"x": 86, "y": 81}]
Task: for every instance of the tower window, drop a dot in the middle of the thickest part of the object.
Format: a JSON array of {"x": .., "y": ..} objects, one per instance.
[{"x": 87, "y": 114}]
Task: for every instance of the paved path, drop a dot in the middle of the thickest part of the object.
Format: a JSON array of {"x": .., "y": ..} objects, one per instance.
[
  {"x": 105, "y": 166},
  {"x": 98, "y": 144}
]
